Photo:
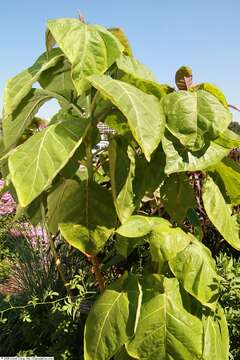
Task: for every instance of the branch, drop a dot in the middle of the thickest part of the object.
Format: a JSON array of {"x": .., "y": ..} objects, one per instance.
[{"x": 97, "y": 272}]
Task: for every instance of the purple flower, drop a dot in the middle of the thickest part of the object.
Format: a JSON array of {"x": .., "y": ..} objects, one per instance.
[
  {"x": 35, "y": 235},
  {"x": 15, "y": 232},
  {"x": 7, "y": 203}
]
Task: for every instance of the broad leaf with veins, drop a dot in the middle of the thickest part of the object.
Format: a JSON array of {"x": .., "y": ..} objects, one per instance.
[
  {"x": 113, "y": 319},
  {"x": 91, "y": 49},
  {"x": 35, "y": 163},
  {"x": 165, "y": 329},
  {"x": 143, "y": 112},
  {"x": 20, "y": 85}
]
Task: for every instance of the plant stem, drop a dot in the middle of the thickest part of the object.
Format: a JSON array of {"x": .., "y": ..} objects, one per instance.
[
  {"x": 97, "y": 272},
  {"x": 89, "y": 162},
  {"x": 55, "y": 256},
  {"x": 59, "y": 265},
  {"x": 93, "y": 258},
  {"x": 94, "y": 101}
]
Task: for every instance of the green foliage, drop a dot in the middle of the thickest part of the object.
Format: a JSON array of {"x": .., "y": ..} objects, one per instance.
[
  {"x": 201, "y": 115},
  {"x": 220, "y": 213},
  {"x": 159, "y": 333},
  {"x": 229, "y": 269},
  {"x": 157, "y": 286},
  {"x": 143, "y": 112},
  {"x": 123, "y": 294},
  {"x": 19, "y": 86},
  {"x": 61, "y": 139},
  {"x": 91, "y": 49},
  {"x": 212, "y": 89},
  {"x": 40, "y": 305},
  {"x": 55, "y": 319},
  {"x": 86, "y": 221},
  {"x": 177, "y": 196},
  {"x": 6, "y": 255}
]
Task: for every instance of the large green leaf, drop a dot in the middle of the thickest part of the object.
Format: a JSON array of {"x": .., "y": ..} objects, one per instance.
[
  {"x": 220, "y": 213},
  {"x": 58, "y": 79},
  {"x": 165, "y": 329},
  {"x": 135, "y": 226},
  {"x": 149, "y": 175},
  {"x": 15, "y": 124},
  {"x": 20, "y": 85},
  {"x": 212, "y": 89},
  {"x": 33, "y": 212},
  {"x": 133, "y": 67},
  {"x": 195, "y": 118},
  {"x": 91, "y": 49},
  {"x": 148, "y": 86},
  {"x": 229, "y": 171},
  {"x": 121, "y": 36},
  {"x": 216, "y": 340},
  {"x": 165, "y": 241},
  {"x": 195, "y": 270},
  {"x": 138, "y": 75},
  {"x": 35, "y": 163},
  {"x": 122, "y": 172},
  {"x": 179, "y": 159},
  {"x": 73, "y": 165},
  {"x": 177, "y": 196},
  {"x": 86, "y": 216},
  {"x": 56, "y": 201},
  {"x": 228, "y": 139},
  {"x": 113, "y": 319},
  {"x": 143, "y": 112},
  {"x": 132, "y": 176}
]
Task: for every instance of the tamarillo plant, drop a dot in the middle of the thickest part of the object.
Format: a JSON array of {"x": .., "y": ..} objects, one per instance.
[{"x": 136, "y": 193}]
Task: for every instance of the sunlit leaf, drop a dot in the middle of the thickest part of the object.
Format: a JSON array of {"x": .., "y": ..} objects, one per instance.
[
  {"x": 220, "y": 213},
  {"x": 121, "y": 36},
  {"x": 35, "y": 163},
  {"x": 165, "y": 329},
  {"x": 179, "y": 159},
  {"x": 229, "y": 171},
  {"x": 216, "y": 341},
  {"x": 137, "y": 74},
  {"x": 113, "y": 319},
  {"x": 212, "y": 89},
  {"x": 143, "y": 112},
  {"x": 58, "y": 79},
  {"x": 20, "y": 85},
  {"x": 122, "y": 170},
  {"x": 15, "y": 124},
  {"x": 195, "y": 270},
  {"x": 91, "y": 49},
  {"x": 195, "y": 118}
]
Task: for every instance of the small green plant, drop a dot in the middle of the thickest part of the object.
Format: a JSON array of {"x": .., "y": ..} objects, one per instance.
[
  {"x": 138, "y": 193},
  {"x": 51, "y": 325}
]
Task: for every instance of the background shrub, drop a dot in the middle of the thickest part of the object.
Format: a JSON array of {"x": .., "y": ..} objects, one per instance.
[{"x": 229, "y": 269}]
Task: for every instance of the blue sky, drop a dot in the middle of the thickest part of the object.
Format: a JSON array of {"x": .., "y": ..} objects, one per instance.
[{"x": 164, "y": 35}]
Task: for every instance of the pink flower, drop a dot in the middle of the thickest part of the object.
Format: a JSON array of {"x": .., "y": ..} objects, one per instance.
[
  {"x": 15, "y": 232},
  {"x": 7, "y": 203}
]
